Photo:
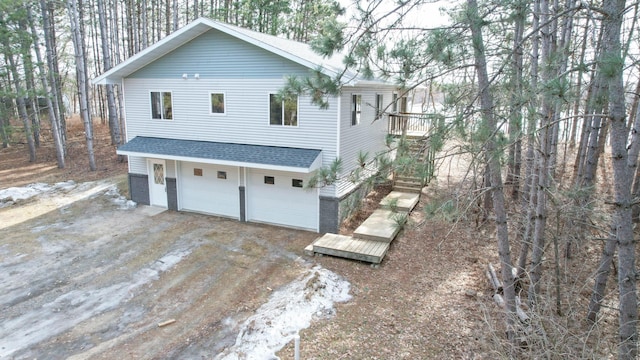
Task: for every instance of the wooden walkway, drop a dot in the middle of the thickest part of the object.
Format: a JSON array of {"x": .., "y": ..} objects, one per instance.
[
  {"x": 372, "y": 239},
  {"x": 351, "y": 248}
]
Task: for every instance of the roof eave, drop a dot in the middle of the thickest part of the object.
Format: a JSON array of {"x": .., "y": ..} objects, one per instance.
[{"x": 305, "y": 170}]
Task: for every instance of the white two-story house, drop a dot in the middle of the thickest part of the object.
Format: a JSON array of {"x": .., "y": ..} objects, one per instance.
[{"x": 206, "y": 132}]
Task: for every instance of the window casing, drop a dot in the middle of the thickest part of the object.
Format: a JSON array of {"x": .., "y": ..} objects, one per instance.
[
  {"x": 161, "y": 105},
  {"x": 283, "y": 112},
  {"x": 394, "y": 104},
  {"x": 356, "y": 109},
  {"x": 379, "y": 102},
  {"x": 217, "y": 103}
]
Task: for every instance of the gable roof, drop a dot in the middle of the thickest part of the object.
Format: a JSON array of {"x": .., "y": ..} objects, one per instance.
[{"x": 292, "y": 50}]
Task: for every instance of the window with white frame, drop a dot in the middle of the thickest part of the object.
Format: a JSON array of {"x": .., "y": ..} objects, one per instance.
[
  {"x": 283, "y": 112},
  {"x": 379, "y": 102},
  {"x": 394, "y": 104},
  {"x": 161, "y": 105},
  {"x": 356, "y": 108},
  {"x": 217, "y": 103}
]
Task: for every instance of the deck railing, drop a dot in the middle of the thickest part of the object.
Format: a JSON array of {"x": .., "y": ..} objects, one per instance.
[{"x": 417, "y": 124}]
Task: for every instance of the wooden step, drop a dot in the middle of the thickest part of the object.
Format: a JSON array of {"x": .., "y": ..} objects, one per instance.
[
  {"x": 402, "y": 201},
  {"x": 351, "y": 248},
  {"x": 379, "y": 226},
  {"x": 414, "y": 190},
  {"x": 409, "y": 183}
]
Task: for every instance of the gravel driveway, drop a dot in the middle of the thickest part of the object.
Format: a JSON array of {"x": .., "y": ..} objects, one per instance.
[{"x": 84, "y": 275}]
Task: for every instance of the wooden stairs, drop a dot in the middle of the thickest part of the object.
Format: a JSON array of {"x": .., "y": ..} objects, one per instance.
[{"x": 417, "y": 167}]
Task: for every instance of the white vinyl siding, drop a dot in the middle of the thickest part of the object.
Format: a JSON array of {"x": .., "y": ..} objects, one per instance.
[
  {"x": 369, "y": 137},
  {"x": 245, "y": 120}
]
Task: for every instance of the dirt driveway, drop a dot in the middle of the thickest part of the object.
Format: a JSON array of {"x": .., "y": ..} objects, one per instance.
[{"x": 85, "y": 276}]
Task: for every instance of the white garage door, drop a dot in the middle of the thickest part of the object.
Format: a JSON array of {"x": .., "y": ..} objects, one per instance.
[
  {"x": 211, "y": 189},
  {"x": 275, "y": 197}
]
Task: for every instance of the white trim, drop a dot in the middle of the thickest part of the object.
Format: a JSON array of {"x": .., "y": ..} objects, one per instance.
[
  {"x": 315, "y": 165},
  {"x": 224, "y": 103}
]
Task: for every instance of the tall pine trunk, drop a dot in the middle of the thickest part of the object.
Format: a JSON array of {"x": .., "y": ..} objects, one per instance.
[
  {"x": 623, "y": 169},
  {"x": 114, "y": 124},
  {"x": 497, "y": 191},
  {"x": 53, "y": 118},
  {"x": 81, "y": 75}
]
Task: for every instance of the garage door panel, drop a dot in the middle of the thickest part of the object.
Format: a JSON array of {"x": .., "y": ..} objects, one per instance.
[
  {"x": 203, "y": 191},
  {"x": 281, "y": 203}
]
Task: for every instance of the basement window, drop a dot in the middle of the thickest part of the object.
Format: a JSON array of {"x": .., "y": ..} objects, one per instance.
[{"x": 270, "y": 180}]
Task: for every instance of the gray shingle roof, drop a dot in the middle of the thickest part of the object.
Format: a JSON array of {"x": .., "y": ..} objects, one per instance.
[{"x": 243, "y": 153}]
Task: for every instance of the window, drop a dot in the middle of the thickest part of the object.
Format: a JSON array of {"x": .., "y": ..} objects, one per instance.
[
  {"x": 197, "y": 172},
  {"x": 379, "y": 102},
  {"x": 394, "y": 106},
  {"x": 217, "y": 103},
  {"x": 161, "y": 106},
  {"x": 158, "y": 174},
  {"x": 269, "y": 180},
  {"x": 356, "y": 109},
  {"x": 403, "y": 104},
  {"x": 222, "y": 175},
  {"x": 283, "y": 112},
  {"x": 296, "y": 183}
]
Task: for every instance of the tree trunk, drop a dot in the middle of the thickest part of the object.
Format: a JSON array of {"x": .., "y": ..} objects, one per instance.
[
  {"x": 515, "y": 111},
  {"x": 114, "y": 125},
  {"x": 623, "y": 170},
  {"x": 22, "y": 109},
  {"x": 487, "y": 108},
  {"x": 53, "y": 118},
  {"x": 81, "y": 75},
  {"x": 538, "y": 242}
]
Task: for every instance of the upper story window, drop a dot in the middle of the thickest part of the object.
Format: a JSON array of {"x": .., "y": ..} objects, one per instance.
[
  {"x": 161, "y": 105},
  {"x": 394, "y": 104},
  {"x": 217, "y": 103},
  {"x": 356, "y": 109},
  {"x": 399, "y": 104},
  {"x": 283, "y": 112},
  {"x": 379, "y": 102}
]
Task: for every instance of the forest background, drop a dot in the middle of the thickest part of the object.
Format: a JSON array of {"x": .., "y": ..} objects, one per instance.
[{"x": 538, "y": 91}]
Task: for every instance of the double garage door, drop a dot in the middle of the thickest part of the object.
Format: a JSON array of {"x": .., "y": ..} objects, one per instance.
[{"x": 273, "y": 197}]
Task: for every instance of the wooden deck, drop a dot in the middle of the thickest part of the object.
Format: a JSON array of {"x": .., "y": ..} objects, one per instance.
[{"x": 351, "y": 248}]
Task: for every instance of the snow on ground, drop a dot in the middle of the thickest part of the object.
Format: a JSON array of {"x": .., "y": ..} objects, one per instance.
[{"x": 289, "y": 310}]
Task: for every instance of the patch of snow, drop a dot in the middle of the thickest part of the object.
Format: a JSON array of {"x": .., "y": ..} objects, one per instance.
[
  {"x": 289, "y": 310},
  {"x": 122, "y": 202},
  {"x": 11, "y": 195}
]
